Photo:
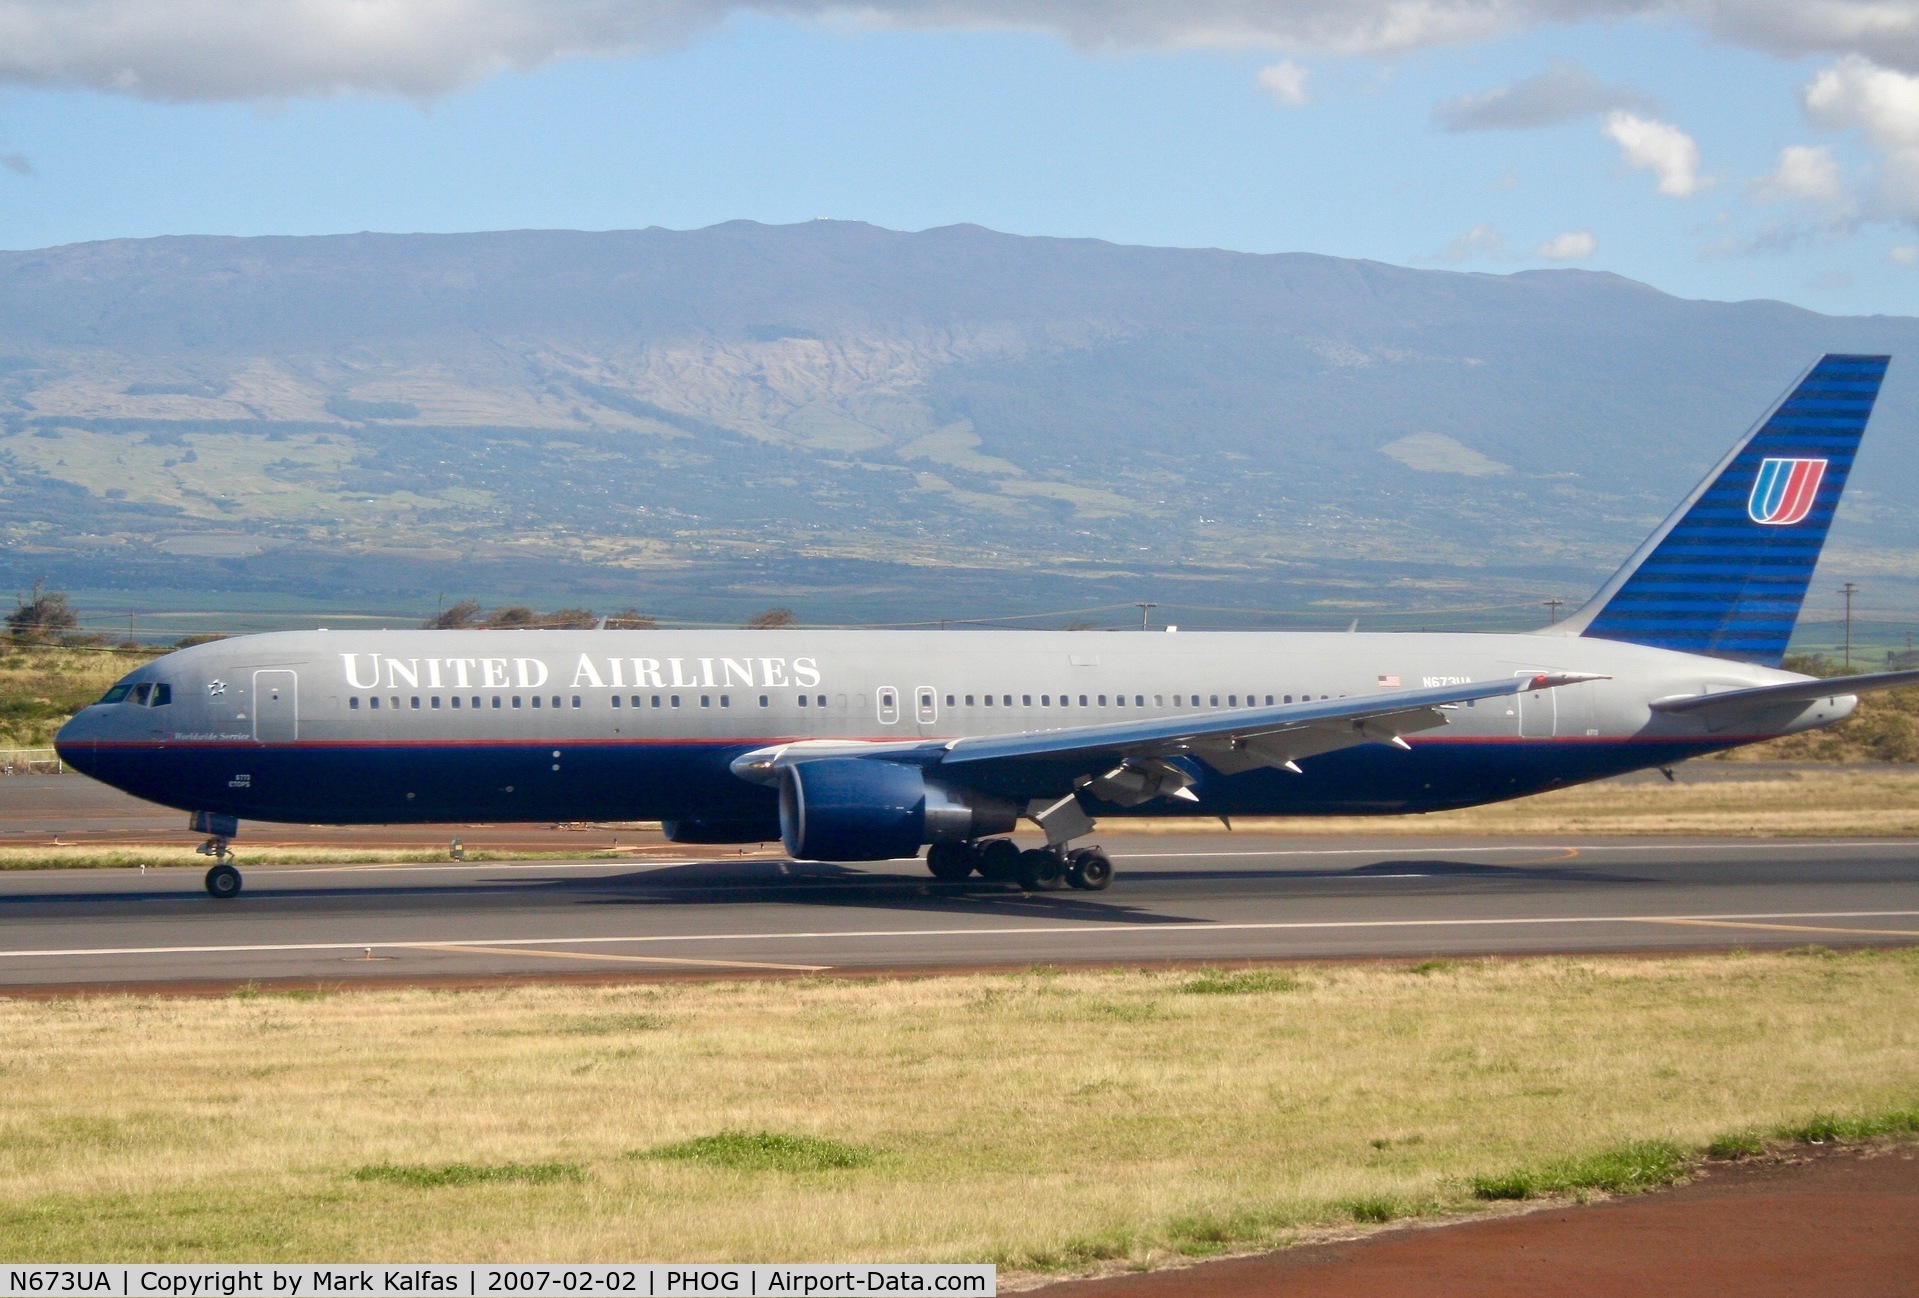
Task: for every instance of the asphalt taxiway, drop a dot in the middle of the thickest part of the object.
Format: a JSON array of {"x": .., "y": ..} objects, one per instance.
[{"x": 1178, "y": 898}]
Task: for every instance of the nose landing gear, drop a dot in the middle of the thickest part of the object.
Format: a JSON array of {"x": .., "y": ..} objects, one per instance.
[{"x": 223, "y": 880}]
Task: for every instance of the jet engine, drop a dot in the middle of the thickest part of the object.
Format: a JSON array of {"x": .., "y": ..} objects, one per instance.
[{"x": 864, "y": 809}]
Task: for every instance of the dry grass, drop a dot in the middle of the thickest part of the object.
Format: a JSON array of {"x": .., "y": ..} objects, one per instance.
[
  {"x": 78, "y": 857},
  {"x": 1870, "y": 801},
  {"x": 1039, "y": 1120},
  {"x": 42, "y": 685}
]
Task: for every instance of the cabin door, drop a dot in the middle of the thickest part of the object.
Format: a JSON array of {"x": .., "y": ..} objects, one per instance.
[
  {"x": 276, "y": 707},
  {"x": 1538, "y": 712}
]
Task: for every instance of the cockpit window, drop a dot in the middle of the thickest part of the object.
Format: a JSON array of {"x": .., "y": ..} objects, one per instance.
[
  {"x": 117, "y": 693},
  {"x": 162, "y": 695},
  {"x": 140, "y": 693}
]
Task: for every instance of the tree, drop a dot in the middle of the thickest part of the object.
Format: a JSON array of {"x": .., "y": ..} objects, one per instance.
[
  {"x": 461, "y": 616},
  {"x": 772, "y": 619},
  {"x": 570, "y": 619},
  {"x": 631, "y": 619},
  {"x": 44, "y": 617},
  {"x": 511, "y": 617}
]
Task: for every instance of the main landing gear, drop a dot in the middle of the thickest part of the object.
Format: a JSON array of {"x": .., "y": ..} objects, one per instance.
[
  {"x": 1037, "y": 869},
  {"x": 223, "y": 881}
]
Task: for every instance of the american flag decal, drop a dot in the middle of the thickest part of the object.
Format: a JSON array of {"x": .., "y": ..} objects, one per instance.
[{"x": 1389, "y": 682}]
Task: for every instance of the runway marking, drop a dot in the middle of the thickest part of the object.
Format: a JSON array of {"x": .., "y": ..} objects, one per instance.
[
  {"x": 1194, "y": 926},
  {"x": 606, "y": 955},
  {"x": 1415, "y": 845},
  {"x": 1788, "y": 928}
]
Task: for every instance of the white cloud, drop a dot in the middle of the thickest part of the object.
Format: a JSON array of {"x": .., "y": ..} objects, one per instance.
[
  {"x": 1483, "y": 240},
  {"x": 1574, "y": 245},
  {"x": 1855, "y": 93},
  {"x": 1286, "y": 83},
  {"x": 1564, "y": 91},
  {"x": 1904, "y": 254},
  {"x": 1805, "y": 171},
  {"x": 1666, "y": 151},
  {"x": 277, "y": 49}
]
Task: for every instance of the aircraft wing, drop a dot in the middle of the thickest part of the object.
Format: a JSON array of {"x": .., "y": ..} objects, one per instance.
[
  {"x": 1132, "y": 756},
  {"x": 1130, "y": 762},
  {"x": 1830, "y": 687}
]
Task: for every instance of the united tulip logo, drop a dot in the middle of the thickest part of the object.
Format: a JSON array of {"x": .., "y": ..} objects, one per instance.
[{"x": 1784, "y": 490}]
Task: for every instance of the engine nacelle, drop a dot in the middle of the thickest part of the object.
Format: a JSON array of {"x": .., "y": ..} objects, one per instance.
[{"x": 865, "y": 809}]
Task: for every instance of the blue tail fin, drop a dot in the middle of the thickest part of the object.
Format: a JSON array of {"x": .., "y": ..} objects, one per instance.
[{"x": 1727, "y": 570}]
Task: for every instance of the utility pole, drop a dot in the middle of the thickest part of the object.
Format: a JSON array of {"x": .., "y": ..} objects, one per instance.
[
  {"x": 1144, "y": 608},
  {"x": 1847, "y": 590},
  {"x": 1552, "y": 607}
]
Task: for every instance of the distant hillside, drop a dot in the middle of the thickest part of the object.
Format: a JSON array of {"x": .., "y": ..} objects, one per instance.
[{"x": 875, "y": 421}]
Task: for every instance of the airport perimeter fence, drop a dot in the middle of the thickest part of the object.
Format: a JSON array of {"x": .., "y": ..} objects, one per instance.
[{"x": 31, "y": 761}]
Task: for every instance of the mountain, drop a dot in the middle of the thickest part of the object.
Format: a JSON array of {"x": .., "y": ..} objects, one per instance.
[{"x": 868, "y": 423}]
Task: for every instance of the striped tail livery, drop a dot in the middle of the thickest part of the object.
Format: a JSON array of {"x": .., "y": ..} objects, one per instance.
[{"x": 1726, "y": 572}]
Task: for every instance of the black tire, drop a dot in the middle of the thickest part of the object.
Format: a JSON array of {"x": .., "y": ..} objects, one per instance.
[
  {"x": 1040, "y": 870},
  {"x": 1090, "y": 870},
  {"x": 949, "y": 861},
  {"x": 223, "y": 881},
  {"x": 997, "y": 859}
]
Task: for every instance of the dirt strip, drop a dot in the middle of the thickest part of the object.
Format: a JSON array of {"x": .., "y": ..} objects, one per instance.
[{"x": 1845, "y": 1222}]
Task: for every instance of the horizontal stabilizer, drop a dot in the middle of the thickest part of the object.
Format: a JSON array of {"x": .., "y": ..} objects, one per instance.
[{"x": 1831, "y": 687}]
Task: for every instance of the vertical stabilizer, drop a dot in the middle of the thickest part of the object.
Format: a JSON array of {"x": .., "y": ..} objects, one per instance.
[{"x": 1726, "y": 572}]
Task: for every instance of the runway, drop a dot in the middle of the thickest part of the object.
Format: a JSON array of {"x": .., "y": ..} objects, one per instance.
[{"x": 1213, "y": 897}]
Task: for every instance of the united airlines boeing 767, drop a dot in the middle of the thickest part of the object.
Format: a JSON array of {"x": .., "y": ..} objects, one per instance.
[{"x": 869, "y": 745}]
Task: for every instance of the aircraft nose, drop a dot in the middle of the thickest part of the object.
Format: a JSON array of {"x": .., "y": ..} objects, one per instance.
[{"x": 75, "y": 740}]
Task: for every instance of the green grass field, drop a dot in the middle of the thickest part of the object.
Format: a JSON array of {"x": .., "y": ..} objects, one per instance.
[{"x": 1045, "y": 1121}]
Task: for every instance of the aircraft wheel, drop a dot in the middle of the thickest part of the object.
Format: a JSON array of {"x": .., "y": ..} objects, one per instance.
[
  {"x": 1040, "y": 870},
  {"x": 223, "y": 881},
  {"x": 1090, "y": 869},
  {"x": 997, "y": 859},
  {"x": 949, "y": 861}
]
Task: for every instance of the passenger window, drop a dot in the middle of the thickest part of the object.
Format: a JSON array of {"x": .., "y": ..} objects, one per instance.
[
  {"x": 762, "y": 700},
  {"x": 726, "y": 700},
  {"x": 354, "y": 703},
  {"x": 1046, "y": 700},
  {"x": 1139, "y": 700},
  {"x": 1118, "y": 701},
  {"x": 706, "y": 700},
  {"x": 1026, "y": 700},
  {"x": 989, "y": 700},
  {"x": 476, "y": 700},
  {"x": 616, "y": 701},
  {"x": 949, "y": 700},
  {"x": 803, "y": 700},
  {"x": 1082, "y": 700},
  {"x": 436, "y": 700},
  {"x": 675, "y": 700},
  {"x": 1006, "y": 700},
  {"x": 969, "y": 700},
  {"x": 1176, "y": 699},
  {"x": 373, "y": 702},
  {"x": 1232, "y": 700},
  {"x": 635, "y": 700},
  {"x": 1215, "y": 700},
  {"x": 576, "y": 700},
  {"x": 536, "y": 700},
  {"x": 1102, "y": 700},
  {"x": 1289, "y": 698},
  {"x": 456, "y": 700},
  {"x": 416, "y": 703},
  {"x": 1159, "y": 700}
]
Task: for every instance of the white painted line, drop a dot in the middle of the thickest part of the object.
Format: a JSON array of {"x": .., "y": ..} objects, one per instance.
[
  {"x": 1730, "y": 845},
  {"x": 1195, "y": 926}
]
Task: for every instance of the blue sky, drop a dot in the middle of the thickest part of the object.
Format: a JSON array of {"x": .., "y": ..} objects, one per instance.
[{"x": 1709, "y": 156}]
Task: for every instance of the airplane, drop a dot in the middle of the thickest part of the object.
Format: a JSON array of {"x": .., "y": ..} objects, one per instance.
[{"x": 867, "y": 745}]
